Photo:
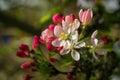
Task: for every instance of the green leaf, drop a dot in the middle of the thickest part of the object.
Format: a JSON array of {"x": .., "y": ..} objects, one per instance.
[
  {"x": 52, "y": 53},
  {"x": 67, "y": 64},
  {"x": 47, "y": 16}
]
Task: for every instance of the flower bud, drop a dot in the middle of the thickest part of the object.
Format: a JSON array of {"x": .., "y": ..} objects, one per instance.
[
  {"x": 26, "y": 65},
  {"x": 51, "y": 27},
  {"x": 49, "y": 47},
  {"x": 69, "y": 77},
  {"x": 23, "y": 47},
  {"x": 27, "y": 77},
  {"x": 22, "y": 53},
  {"x": 86, "y": 16},
  {"x": 36, "y": 42},
  {"x": 51, "y": 59},
  {"x": 72, "y": 16},
  {"x": 57, "y": 18},
  {"x": 59, "y": 48}
]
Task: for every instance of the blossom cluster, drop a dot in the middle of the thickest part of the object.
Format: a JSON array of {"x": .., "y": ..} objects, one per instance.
[{"x": 64, "y": 36}]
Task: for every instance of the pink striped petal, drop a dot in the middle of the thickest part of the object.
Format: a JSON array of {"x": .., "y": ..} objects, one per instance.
[{"x": 80, "y": 14}]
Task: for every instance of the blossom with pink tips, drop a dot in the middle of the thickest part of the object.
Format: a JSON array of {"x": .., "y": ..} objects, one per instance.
[
  {"x": 46, "y": 34},
  {"x": 85, "y": 16},
  {"x": 71, "y": 23}
]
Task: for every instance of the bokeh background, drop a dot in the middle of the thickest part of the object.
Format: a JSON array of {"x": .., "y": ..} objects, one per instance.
[{"x": 20, "y": 20}]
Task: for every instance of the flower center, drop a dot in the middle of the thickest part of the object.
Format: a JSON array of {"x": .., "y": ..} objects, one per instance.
[
  {"x": 71, "y": 24},
  {"x": 64, "y": 36},
  {"x": 72, "y": 47}
]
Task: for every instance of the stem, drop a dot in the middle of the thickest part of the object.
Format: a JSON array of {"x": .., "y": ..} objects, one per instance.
[{"x": 81, "y": 34}]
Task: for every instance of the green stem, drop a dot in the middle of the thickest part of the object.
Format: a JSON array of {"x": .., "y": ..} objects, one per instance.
[{"x": 82, "y": 32}]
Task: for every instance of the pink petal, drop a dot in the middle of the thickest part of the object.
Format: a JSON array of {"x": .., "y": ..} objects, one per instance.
[
  {"x": 88, "y": 16},
  {"x": 76, "y": 24},
  {"x": 57, "y": 30},
  {"x": 68, "y": 19},
  {"x": 56, "y": 43},
  {"x": 80, "y": 14}
]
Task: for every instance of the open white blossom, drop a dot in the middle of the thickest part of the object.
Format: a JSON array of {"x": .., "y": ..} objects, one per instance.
[
  {"x": 73, "y": 44},
  {"x": 97, "y": 45}
]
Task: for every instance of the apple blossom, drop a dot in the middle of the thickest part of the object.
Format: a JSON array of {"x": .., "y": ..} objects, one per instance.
[
  {"x": 97, "y": 45},
  {"x": 85, "y": 16}
]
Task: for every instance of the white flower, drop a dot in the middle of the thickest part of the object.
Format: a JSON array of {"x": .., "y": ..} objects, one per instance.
[
  {"x": 72, "y": 46},
  {"x": 64, "y": 32},
  {"x": 97, "y": 45}
]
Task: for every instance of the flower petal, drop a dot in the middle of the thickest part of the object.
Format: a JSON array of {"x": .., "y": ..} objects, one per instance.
[
  {"x": 64, "y": 51},
  {"x": 75, "y": 55},
  {"x": 68, "y": 19},
  {"x": 56, "y": 43},
  {"x": 101, "y": 51},
  {"x": 79, "y": 45},
  {"x": 88, "y": 16},
  {"x": 80, "y": 14},
  {"x": 94, "y": 34},
  {"x": 57, "y": 30},
  {"x": 74, "y": 36},
  {"x": 76, "y": 24},
  {"x": 95, "y": 41}
]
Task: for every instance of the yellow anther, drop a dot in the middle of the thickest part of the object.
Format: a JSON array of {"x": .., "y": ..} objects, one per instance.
[
  {"x": 64, "y": 36},
  {"x": 71, "y": 47}
]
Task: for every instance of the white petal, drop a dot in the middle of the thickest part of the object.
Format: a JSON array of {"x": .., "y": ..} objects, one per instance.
[
  {"x": 64, "y": 25},
  {"x": 56, "y": 43},
  {"x": 94, "y": 55},
  {"x": 75, "y": 55},
  {"x": 74, "y": 36},
  {"x": 94, "y": 41},
  {"x": 64, "y": 51},
  {"x": 101, "y": 51},
  {"x": 94, "y": 34},
  {"x": 63, "y": 43},
  {"x": 57, "y": 30},
  {"x": 79, "y": 45},
  {"x": 76, "y": 24}
]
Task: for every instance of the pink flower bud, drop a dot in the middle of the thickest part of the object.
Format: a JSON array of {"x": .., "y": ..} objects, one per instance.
[
  {"x": 26, "y": 65},
  {"x": 27, "y": 77},
  {"x": 86, "y": 16},
  {"x": 69, "y": 77},
  {"x": 52, "y": 59},
  {"x": 72, "y": 16},
  {"x": 51, "y": 27},
  {"x": 59, "y": 48},
  {"x": 36, "y": 42},
  {"x": 23, "y": 47},
  {"x": 63, "y": 18},
  {"x": 22, "y": 53},
  {"x": 49, "y": 47},
  {"x": 57, "y": 18}
]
